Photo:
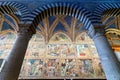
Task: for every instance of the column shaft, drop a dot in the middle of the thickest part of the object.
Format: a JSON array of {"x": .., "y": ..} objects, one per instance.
[
  {"x": 13, "y": 62},
  {"x": 109, "y": 61}
]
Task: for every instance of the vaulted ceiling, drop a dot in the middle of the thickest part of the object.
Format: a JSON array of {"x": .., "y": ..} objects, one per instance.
[{"x": 52, "y": 16}]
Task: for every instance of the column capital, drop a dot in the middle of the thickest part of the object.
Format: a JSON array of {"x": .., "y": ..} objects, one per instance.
[
  {"x": 96, "y": 31},
  {"x": 26, "y": 28}
]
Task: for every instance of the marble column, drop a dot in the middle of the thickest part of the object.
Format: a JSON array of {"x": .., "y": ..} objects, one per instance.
[
  {"x": 109, "y": 61},
  {"x": 13, "y": 62}
]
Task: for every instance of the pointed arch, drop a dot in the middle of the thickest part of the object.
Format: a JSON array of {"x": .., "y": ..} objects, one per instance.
[
  {"x": 41, "y": 34},
  {"x": 6, "y": 32},
  {"x": 38, "y": 36},
  {"x": 83, "y": 36},
  {"x": 11, "y": 24},
  {"x": 63, "y": 33}
]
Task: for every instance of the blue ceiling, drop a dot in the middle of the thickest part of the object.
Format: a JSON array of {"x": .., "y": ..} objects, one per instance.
[{"x": 88, "y": 4}]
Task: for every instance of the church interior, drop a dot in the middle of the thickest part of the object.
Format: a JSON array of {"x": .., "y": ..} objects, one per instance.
[{"x": 59, "y": 39}]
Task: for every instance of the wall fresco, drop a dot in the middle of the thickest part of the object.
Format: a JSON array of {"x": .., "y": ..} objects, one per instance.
[
  {"x": 67, "y": 67},
  {"x": 6, "y": 42},
  {"x": 32, "y": 67},
  {"x": 51, "y": 68},
  {"x": 59, "y": 58}
]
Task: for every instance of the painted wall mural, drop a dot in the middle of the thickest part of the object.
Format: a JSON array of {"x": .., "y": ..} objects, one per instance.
[
  {"x": 67, "y": 67},
  {"x": 51, "y": 67},
  {"x": 60, "y": 58},
  {"x": 6, "y": 42},
  {"x": 59, "y": 37}
]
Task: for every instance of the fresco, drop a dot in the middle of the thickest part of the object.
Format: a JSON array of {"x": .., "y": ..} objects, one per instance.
[
  {"x": 51, "y": 68},
  {"x": 59, "y": 38},
  {"x": 6, "y": 42},
  {"x": 84, "y": 38},
  {"x": 32, "y": 67},
  {"x": 93, "y": 50},
  {"x": 82, "y": 50},
  {"x": 68, "y": 67},
  {"x": 98, "y": 68},
  {"x": 59, "y": 58},
  {"x": 37, "y": 38},
  {"x": 54, "y": 50},
  {"x": 36, "y": 51},
  {"x": 63, "y": 50},
  {"x": 67, "y": 50},
  {"x": 36, "y": 47},
  {"x": 85, "y": 68}
]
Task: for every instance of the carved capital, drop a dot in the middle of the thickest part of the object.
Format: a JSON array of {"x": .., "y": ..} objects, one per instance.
[
  {"x": 26, "y": 30},
  {"x": 96, "y": 31}
]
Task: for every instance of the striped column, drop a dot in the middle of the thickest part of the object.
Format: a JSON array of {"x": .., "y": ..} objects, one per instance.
[
  {"x": 13, "y": 62},
  {"x": 109, "y": 61}
]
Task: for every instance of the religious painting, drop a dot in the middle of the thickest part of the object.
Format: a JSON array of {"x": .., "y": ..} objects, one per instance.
[
  {"x": 32, "y": 67},
  {"x": 59, "y": 38},
  {"x": 36, "y": 47},
  {"x": 9, "y": 37},
  {"x": 98, "y": 71},
  {"x": 54, "y": 50},
  {"x": 5, "y": 50},
  {"x": 83, "y": 38},
  {"x": 68, "y": 68},
  {"x": 37, "y": 38},
  {"x": 36, "y": 50},
  {"x": 93, "y": 50},
  {"x": 67, "y": 50},
  {"x": 59, "y": 58},
  {"x": 85, "y": 68},
  {"x": 51, "y": 68},
  {"x": 6, "y": 43},
  {"x": 82, "y": 50}
]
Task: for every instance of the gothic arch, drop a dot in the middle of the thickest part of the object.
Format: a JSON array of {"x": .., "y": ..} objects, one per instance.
[
  {"x": 61, "y": 8},
  {"x": 63, "y": 33},
  {"x": 13, "y": 25},
  {"x": 6, "y": 32},
  {"x": 14, "y": 8},
  {"x": 106, "y": 9},
  {"x": 79, "y": 35}
]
